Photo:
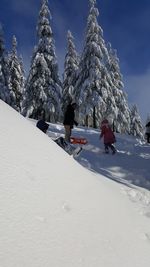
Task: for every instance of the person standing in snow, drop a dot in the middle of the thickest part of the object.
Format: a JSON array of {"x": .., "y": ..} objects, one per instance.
[
  {"x": 69, "y": 120},
  {"x": 147, "y": 132},
  {"x": 109, "y": 137}
]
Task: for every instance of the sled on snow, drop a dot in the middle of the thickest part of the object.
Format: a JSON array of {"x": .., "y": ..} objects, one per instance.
[
  {"x": 78, "y": 140},
  {"x": 69, "y": 148}
]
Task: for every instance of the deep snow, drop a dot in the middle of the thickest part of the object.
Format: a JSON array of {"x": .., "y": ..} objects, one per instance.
[{"x": 55, "y": 212}]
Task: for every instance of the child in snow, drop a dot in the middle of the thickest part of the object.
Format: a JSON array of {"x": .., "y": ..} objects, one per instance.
[{"x": 108, "y": 135}]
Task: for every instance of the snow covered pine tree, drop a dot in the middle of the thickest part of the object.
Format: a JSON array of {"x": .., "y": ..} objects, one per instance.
[
  {"x": 92, "y": 88},
  {"x": 16, "y": 78},
  {"x": 43, "y": 86},
  {"x": 136, "y": 128},
  {"x": 5, "y": 93},
  {"x": 70, "y": 72}
]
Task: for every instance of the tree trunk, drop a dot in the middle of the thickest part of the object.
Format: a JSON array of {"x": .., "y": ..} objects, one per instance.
[
  {"x": 113, "y": 126},
  {"x": 94, "y": 117},
  {"x": 86, "y": 121}
]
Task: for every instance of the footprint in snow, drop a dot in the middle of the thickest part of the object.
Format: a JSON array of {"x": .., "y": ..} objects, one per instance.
[{"x": 66, "y": 207}]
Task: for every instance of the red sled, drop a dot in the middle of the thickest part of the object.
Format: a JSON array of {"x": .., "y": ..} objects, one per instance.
[{"x": 78, "y": 140}]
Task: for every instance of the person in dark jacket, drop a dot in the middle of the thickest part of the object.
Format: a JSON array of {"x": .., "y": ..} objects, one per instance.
[
  {"x": 147, "y": 133},
  {"x": 69, "y": 120},
  {"x": 42, "y": 125}
]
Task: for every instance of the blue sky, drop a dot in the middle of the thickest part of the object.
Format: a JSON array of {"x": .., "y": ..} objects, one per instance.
[{"x": 126, "y": 24}]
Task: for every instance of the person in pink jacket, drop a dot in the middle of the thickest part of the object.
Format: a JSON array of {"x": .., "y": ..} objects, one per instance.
[{"x": 108, "y": 135}]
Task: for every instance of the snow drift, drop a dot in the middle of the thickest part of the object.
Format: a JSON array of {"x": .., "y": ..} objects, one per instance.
[{"x": 54, "y": 212}]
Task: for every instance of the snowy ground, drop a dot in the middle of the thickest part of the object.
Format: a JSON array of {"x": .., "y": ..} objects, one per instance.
[
  {"x": 56, "y": 212},
  {"x": 130, "y": 166}
]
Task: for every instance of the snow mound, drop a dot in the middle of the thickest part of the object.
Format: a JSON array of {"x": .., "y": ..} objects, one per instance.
[{"x": 54, "y": 212}]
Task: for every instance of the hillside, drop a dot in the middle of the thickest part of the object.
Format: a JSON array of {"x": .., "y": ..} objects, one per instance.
[{"x": 55, "y": 212}]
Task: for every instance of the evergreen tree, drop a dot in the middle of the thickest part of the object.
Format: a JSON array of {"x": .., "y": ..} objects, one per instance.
[
  {"x": 121, "y": 120},
  {"x": 4, "y": 91},
  {"x": 70, "y": 71},
  {"x": 24, "y": 81},
  {"x": 92, "y": 88},
  {"x": 136, "y": 128},
  {"x": 16, "y": 77},
  {"x": 43, "y": 87}
]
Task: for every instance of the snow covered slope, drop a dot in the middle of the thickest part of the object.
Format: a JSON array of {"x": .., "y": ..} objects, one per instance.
[{"x": 54, "y": 212}]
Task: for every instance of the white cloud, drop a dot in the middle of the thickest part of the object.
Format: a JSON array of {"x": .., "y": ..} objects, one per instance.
[{"x": 138, "y": 89}]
